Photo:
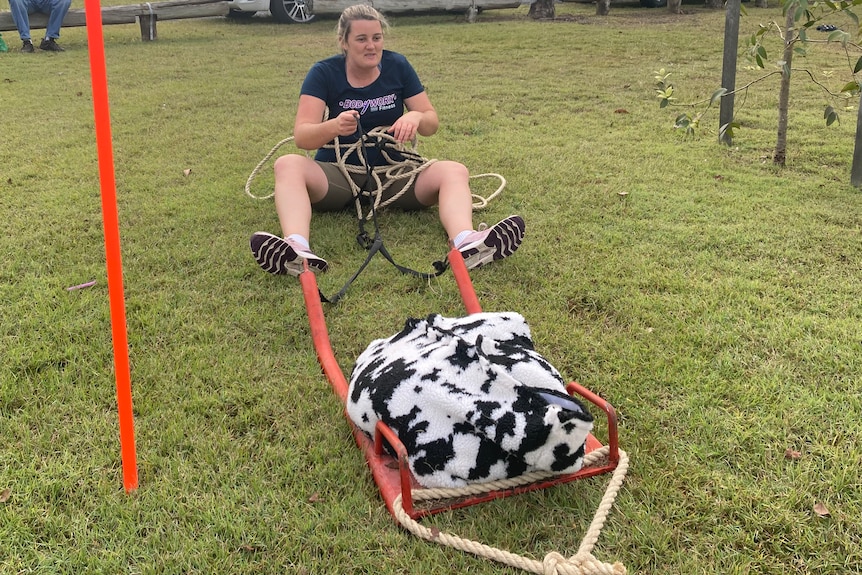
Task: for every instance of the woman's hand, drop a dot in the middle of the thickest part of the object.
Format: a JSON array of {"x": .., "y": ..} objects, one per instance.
[
  {"x": 347, "y": 122},
  {"x": 406, "y": 128}
]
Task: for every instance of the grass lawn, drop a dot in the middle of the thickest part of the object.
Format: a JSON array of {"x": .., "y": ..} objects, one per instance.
[{"x": 713, "y": 298}]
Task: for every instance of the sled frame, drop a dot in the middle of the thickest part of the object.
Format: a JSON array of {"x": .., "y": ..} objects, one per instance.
[{"x": 392, "y": 473}]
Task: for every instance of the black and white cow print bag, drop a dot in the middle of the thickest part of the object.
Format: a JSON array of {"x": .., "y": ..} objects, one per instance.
[{"x": 470, "y": 399}]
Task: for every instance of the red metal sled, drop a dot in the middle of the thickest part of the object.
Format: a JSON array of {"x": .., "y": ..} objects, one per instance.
[{"x": 392, "y": 474}]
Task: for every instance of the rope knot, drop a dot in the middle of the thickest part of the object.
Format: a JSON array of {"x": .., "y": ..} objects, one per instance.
[
  {"x": 550, "y": 562},
  {"x": 581, "y": 564}
]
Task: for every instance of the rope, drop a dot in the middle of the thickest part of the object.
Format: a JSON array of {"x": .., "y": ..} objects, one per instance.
[
  {"x": 402, "y": 167},
  {"x": 260, "y": 165},
  {"x": 409, "y": 168},
  {"x": 582, "y": 563}
]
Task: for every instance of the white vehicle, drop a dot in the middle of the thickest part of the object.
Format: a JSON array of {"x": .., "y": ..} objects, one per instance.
[{"x": 301, "y": 11}]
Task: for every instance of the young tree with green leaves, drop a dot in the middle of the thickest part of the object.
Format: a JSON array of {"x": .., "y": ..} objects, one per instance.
[{"x": 800, "y": 17}]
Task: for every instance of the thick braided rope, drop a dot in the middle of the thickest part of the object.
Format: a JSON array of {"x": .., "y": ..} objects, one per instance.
[
  {"x": 595, "y": 457},
  {"x": 260, "y": 165},
  {"x": 396, "y": 171},
  {"x": 582, "y": 563}
]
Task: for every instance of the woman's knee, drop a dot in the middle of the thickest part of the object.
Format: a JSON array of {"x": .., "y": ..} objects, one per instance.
[
  {"x": 291, "y": 163},
  {"x": 442, "y": 174},
  {"x": 453, "y": 171},
  {"x": 295, "y": 171}
]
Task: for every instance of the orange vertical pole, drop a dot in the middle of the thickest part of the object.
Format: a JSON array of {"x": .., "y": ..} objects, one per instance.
[{"x": 99, "y": 80}]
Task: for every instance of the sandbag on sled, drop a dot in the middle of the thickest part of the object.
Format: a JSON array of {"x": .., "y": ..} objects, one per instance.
[{"x": 470, "y": 399}]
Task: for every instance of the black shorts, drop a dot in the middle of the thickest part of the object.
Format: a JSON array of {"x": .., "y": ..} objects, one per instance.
[{"x": 339, "y": 195}]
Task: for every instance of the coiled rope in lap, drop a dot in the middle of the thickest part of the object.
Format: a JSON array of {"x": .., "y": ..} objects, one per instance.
[
  {"x": 407, "y": 169},
  {"x": 581, "y": 563}
]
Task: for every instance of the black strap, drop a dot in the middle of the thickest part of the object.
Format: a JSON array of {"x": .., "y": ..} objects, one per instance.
[{"x": 375, "y": 245}]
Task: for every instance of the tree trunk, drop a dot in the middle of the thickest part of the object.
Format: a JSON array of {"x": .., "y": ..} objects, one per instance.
[
  {"x": 674, "y": 6},
  {"x": 728, "y": 69},
  {"x": 784, "y": 93},
  {"x": 542, "y": 9},
  {"x": 603, "y": 7},
  {"x": 856, "y": 169}
]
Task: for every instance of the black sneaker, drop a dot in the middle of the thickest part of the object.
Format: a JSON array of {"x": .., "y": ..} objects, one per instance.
[
  {"x": 27, "y": 47},
  {"x": 50, "y": 45},
  {"x": 494, "y": 243},
  {"x": 279, "y": 256}
]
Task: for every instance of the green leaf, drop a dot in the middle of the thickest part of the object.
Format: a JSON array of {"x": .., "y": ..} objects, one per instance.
[
  {"x": 661, "y": 76},
  {"x": 665, "y": 95},
  {"x": 838, "y": 36},
  {"x": 717, "y": 95},
  {"x": 831, "y": 115},
  {"x": 728, "y": 129},
  {"x": 850, "y": 88},
  {"x": 858, "y": 65},
  {"x": 683, "y": 121}
]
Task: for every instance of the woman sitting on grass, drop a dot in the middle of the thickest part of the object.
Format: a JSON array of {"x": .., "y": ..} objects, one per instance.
[{"x": 346, "y": 85}]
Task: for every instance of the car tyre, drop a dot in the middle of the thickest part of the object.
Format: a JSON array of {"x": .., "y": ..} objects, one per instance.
[{"x": 289, "y": 11}]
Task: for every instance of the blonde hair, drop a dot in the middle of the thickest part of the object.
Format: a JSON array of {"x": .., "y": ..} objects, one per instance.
[{"x": 357, "y": 12}]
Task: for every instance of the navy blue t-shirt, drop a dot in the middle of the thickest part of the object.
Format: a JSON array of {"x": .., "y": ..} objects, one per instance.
[{"x": 379, "y": 104}]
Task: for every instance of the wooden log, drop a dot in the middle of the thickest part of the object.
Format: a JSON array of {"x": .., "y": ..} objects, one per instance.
[
  {"x": 149, "y": 33},
  {"x": 178, "y": 9},
  {"x": 172, "y": 10},
  {"x": 73, "y": 18},
  {"x": 333, "y": 7}
]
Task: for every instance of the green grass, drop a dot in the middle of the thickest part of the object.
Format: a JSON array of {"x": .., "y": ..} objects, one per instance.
[{"x": 716, "y": 305}]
